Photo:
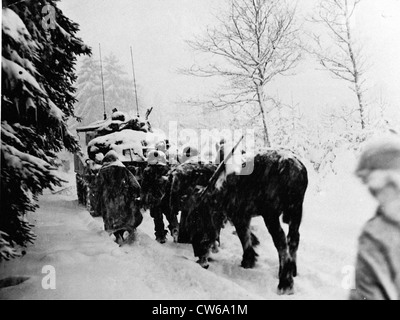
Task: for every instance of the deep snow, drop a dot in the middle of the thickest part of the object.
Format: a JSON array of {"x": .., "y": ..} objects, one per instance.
[{"x": 89, "y": 265}]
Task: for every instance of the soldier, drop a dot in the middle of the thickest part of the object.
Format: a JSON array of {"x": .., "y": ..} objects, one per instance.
[
  {"x": 117, "y": 193},
  {"x": 378, "y": 260},
  {"x": 155, "y": 196}
]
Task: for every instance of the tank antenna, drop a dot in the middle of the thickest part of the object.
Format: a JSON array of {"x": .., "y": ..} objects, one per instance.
[
  {"x": 102, "y": 83},
  {"x": 134, "y": 82}
]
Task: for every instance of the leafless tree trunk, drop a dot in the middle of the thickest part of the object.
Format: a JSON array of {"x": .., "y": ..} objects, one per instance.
[
  {"x": 255, "y": 41},
  {"x": 261, "y": 103},
  {"x": 337, "y": 50}
]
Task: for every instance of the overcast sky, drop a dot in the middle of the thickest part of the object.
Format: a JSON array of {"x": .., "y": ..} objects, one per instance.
[{"x": 157, "y": 30}]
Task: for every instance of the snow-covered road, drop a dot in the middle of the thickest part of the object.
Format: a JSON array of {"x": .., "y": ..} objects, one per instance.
[{"x": 89, "y": 265}]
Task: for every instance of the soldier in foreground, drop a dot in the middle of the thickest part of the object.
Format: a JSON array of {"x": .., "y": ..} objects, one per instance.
[{"x": 378, "y": 260}]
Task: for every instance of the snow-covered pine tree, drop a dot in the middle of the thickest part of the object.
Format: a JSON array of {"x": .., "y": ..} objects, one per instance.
[
  {"x": 89, "y": 107},
  {"x": 118, "y": 87},
  {"x": 290, "y": 128},
  {"x": 38, "y": 59}
]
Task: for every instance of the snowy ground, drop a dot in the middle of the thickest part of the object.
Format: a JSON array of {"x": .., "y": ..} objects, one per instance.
[{"x": 89, "y": 265}]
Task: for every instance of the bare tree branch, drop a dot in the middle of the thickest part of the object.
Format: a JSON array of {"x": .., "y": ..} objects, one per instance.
[
  {"x": 341, "y": 57},
  {"x": 255, "y": 41}
]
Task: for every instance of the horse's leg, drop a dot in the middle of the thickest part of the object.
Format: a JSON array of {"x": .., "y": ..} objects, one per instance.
[
  {"x": 201, "y": 249},
  {"x": 245, "y": 236},
  {"x": 285, "y": 262},
  {"x": 293, "y": 237}
]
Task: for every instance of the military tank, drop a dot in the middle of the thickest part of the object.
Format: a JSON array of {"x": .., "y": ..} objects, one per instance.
[{"x": 131, "y": 138}]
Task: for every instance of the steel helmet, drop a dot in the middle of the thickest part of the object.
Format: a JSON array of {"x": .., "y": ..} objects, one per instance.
[
  {"x": 156, "y": 157},
  {"x": 381, "y": 154}
]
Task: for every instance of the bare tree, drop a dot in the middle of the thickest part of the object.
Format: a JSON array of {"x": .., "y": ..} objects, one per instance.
[
  {"x": 255, "y": 41},
  {"x": 337, "y": 50}
]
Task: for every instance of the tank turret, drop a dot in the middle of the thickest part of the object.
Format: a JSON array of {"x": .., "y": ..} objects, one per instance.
[{"x": 130, "y": 138}]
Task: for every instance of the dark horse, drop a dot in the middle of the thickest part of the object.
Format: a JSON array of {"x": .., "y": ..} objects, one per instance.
[{"x": 272, "y": 184}]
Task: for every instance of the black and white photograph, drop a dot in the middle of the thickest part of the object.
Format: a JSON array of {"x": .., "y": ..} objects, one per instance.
[{"x": 212, "y": 152}]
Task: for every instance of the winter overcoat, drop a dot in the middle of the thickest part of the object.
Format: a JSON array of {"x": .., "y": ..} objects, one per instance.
[
  {"x": 116, "y": 198},
  {"x": 378, "y": 261}
]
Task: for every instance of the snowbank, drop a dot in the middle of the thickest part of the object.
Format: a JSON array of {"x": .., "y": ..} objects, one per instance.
[{"x": 89, "y": 265}]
